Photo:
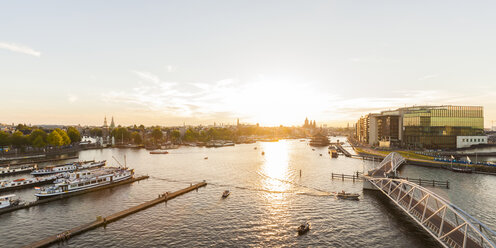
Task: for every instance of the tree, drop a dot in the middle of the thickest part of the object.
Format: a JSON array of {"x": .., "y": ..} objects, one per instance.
[
  {"x": 18, "y": 139},
  {"x": 190, "y": 135},
  {"x": 4, "y": 139},
  {"x": 73, "y": 134},
  {"x": 96, "y": 132},
  {"x": 38, "y": 142},
  {"x": 120, "y": 134},
  {"x": 65, "y": 138},
  {"x": 34, "y": 136},
  {"x": 136, "y": 138},
  {"x": 175, "y": 135},
  {"x": 54, "y": 139},
  {"x": 157, "y": 134}
]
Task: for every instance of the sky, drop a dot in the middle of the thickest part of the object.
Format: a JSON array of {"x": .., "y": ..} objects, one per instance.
[{"x": 268, "y": 62}]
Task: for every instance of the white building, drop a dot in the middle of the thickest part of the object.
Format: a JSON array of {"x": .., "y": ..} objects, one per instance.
[{"x": 467, "y": 141}]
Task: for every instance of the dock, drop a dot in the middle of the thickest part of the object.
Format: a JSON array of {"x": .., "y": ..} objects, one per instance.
[
  {"x": 422, "y": 182},
  {"x": 55, "y": 198},
  {"x": 344, "y": 151},
  {"x": 101, "y": 221}
]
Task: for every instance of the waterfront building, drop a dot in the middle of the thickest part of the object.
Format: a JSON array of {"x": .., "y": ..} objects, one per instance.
[{"x": 431, "y": 127}]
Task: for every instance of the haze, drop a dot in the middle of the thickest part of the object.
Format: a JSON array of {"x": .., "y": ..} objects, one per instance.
[{"x": 267, "y": 62}]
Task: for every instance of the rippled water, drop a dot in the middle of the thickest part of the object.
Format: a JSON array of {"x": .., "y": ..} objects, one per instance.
[{"x": 268, "y": 201}]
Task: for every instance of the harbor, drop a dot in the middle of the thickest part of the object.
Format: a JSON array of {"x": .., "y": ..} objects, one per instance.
[{"x": 257, "y": 188}]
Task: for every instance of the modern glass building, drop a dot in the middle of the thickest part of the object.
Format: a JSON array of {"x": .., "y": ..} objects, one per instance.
[{"x": 436, "y": 127}]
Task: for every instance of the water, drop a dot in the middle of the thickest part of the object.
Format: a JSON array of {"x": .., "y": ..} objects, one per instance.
[{"x": 268, "y": 201}]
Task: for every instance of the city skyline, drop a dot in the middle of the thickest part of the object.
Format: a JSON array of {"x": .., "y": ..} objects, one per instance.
[{"x": 273, "y": 63}]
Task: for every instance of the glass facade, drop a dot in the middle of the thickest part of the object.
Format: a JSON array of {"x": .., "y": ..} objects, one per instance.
[{"x": 437, "y": 127}]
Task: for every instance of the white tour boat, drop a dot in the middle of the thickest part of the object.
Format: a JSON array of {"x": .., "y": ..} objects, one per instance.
[
  {"x": 68, "y": 167},
  {"x": 84, "y": 180},
  {"x": 8, "y": 201},
  {"x": 8, "y": 170},
  {"x": 29, "y": 182}
]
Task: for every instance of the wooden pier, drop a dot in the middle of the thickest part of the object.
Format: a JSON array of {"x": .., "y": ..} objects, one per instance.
[
  {"x": 101, "y": 221},
  {"x": 422, "y": 182},
  {"x": 55, "y": 198}
]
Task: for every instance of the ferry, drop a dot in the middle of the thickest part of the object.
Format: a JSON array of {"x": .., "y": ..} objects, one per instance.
[
  {"x": 22, "y": 169},
  {"x": 84, "y": 180},
  {"x": 68, "y": 167},
  {"x": 7, "y": 201}
]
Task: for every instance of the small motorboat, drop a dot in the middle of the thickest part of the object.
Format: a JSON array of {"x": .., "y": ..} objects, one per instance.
[
  {"x": 303, "y": 228},
  {"x": 347, "y": 196},
  {"x": 226, "y": 194}
]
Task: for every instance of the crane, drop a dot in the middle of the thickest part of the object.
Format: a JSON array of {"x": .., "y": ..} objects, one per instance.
[{"x": 125, "y": 163}]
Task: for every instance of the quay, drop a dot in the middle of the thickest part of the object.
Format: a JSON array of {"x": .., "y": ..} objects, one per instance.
[
  {"x": 55, "y": 198},
  {"x": 102, "y": 221}
]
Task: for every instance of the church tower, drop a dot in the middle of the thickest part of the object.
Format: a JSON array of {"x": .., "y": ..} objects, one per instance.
[{"x": 112, "y": 124}]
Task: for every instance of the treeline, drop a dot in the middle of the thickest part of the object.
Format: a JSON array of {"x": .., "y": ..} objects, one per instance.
[{"x": 39, "y": 138}]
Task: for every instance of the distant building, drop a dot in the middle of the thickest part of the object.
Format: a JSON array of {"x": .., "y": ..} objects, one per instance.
[
  {"x": 112, "y": 123},
  {"x": 431, "y": 127},
  {"x": 309, "y": 124}
]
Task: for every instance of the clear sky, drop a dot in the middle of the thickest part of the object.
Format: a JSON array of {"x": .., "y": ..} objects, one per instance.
[{"x": 271, "y": 62}]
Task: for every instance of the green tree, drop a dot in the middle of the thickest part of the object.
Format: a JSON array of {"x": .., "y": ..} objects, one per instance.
[
  {"x": 73, "y": 134},
  {"x": 54, "y": 139},
  {"x": 38, "y": 142},
  {"x": 190, "y": 135},
  {"x": 5, "y": 139},
  {"x": 136, "y": 137},
  {"x": 96, "y": 132},
  {"x": 35, "y": 134},
  {"x": 157, "y": 134},
  {"x": 175, "y": 135},
  {"x": 65, "y": 138},
  {"x": 120, "y": 134},
  {"x": 18, "y": 139}
]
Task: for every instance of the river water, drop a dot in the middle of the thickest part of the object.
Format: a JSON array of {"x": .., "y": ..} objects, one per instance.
[{"x": 268, "y": 201}]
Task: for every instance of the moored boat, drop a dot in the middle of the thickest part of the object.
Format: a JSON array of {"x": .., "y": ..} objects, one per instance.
[
  {"x": 159, "y": 152},
  {"x": 7, "y": 201},
  {"x": 461, "y": 170},
  {"x": 85, "y": 180},
  {"x": 9, "y": 171},
  {"x": 69, "y": 167},
  {"x": 28, "y": 182}
]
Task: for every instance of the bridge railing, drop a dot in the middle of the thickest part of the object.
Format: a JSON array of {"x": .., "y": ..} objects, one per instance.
[
  {"x": 448, "y": 224},
  {"x": 389, "y": 165}
]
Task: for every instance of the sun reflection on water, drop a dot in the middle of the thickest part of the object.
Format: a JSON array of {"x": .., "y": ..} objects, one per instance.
[{"x": 275, "y": 169}]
